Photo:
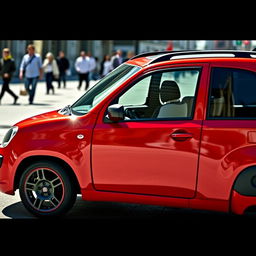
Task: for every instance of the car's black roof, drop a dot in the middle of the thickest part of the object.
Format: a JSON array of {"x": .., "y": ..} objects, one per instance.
[{"x": 168, "y": 55}]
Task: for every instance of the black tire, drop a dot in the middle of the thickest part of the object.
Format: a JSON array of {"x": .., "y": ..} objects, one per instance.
[{"x": 46, "y": 190}]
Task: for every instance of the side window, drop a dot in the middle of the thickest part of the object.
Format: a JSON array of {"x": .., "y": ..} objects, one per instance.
[
  {"x": 161, "y": 95},
  {"x": 232, "y": 94}
]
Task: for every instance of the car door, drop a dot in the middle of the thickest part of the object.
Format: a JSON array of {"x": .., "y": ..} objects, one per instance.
[
  {"x": 229, "y": 131},
  {"x": 154, "y": 151}
]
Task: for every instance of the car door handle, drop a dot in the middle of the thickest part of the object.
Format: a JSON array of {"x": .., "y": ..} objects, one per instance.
[{"x": 181, "y": 136}]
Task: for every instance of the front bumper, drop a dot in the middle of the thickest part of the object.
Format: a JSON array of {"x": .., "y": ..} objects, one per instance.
[{"x": 6, "y": 174}]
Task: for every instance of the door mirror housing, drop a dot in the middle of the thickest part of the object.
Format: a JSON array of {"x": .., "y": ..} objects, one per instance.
[{"x": 116, "y": 113}]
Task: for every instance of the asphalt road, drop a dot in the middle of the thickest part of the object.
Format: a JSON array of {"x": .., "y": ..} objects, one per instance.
[{"x": 11, "y": 207}]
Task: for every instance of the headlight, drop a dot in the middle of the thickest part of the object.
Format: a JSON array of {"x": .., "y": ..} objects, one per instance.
[{"x": 9, "y": 136}]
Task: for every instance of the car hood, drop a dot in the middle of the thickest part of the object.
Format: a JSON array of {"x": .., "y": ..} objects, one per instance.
[{"x": 42, "y": 118}]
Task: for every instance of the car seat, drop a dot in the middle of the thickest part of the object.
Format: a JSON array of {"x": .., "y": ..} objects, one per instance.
[{"x": 170, "y": 97}]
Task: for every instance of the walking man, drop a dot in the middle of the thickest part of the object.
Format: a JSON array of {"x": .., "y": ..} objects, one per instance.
[
  {"x": 7, "y": 68},
  {"x": 31, "y": 70},
  {"x": 117, "y": 59},
  {"x": 63, "y": 64},
  {"x": 83, "y": 67}
]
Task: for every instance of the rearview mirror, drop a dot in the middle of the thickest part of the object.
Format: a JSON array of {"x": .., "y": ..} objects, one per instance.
[{"x": 116, "y": 112}]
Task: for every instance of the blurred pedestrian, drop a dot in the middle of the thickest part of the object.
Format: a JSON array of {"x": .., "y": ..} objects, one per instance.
[
  {"x": 169, "y": 46},
  {"x": 96, "y": 71},
  {"x": 7, "y": 68},
  {"x": 117, "y": 59},
  {"x": 63, "y": 65},
  {"x": 31, "y": 69},
  {"x": 82, "y": 66},
  {"x": 106, "y": 65},
  {"x": 129, "y": 55},
  {"x": 51, "y": 71},
  {"x": 93, "y": 66}
]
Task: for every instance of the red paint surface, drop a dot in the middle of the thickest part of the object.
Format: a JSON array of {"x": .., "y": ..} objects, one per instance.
[{"x": 140, "y": 162}]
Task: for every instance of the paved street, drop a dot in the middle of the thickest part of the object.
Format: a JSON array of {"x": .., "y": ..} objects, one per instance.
[{"x": 11, "y": 206}]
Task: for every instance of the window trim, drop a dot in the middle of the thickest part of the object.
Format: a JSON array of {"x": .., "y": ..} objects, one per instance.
[
  {"x": 209, "y": 95},
  {"x": 161, "y": 70}
]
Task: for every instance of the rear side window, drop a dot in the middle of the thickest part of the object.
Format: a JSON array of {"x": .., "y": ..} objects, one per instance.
[{"x": 232, "y": 94}]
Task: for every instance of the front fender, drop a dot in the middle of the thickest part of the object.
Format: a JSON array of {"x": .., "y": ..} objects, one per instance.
[{"x": 81, "y": 170}]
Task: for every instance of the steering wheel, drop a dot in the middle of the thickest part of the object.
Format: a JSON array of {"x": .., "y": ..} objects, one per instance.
[{"x": 131, "y": 113}]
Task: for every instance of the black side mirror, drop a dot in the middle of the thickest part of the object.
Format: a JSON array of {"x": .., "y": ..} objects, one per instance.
[{"x": 116, "y": 112}]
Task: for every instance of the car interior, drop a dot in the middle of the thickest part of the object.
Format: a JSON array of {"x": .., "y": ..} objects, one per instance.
[
  {"x": 232, "y": 94},
  {"x": 163, "y": 101}
]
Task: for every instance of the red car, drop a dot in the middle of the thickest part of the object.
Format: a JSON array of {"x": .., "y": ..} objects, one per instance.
[{"x": 173, "y": 128}]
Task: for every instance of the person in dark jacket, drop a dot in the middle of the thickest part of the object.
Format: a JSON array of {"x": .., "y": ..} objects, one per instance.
[
  {"x": 117, "y": 59},
  {"x": 7, "y": 68},
  {"x": 63, "y": 65}
]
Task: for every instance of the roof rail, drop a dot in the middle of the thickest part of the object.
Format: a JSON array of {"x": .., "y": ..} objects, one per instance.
[
  {"x": 145, "y": 54},
  {"x": 167, "y": 55}
]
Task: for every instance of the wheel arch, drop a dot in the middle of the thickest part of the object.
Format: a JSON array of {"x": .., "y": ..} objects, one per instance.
[
  {"x": 245, "y": 182},
  {"x": 32, "y": 159},
  {"x": 243, "y": 193}
]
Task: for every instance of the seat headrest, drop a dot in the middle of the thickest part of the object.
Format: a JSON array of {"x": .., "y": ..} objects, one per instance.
[{"x": 169, "y": 91}]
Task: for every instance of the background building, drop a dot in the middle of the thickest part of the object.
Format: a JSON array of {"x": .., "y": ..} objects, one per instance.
[
  {"x": 98, "y": 48},
  {"x": 72, "y": 48}
]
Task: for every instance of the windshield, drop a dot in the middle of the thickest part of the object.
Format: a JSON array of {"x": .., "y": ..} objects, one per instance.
[{"x": 103, "y": 88}]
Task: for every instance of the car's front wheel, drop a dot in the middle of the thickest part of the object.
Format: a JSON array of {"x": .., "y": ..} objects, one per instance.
[{"x": 46, "y": 189}]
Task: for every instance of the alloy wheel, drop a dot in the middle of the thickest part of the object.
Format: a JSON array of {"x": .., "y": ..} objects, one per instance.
[{"x": 44, "y": 189}]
